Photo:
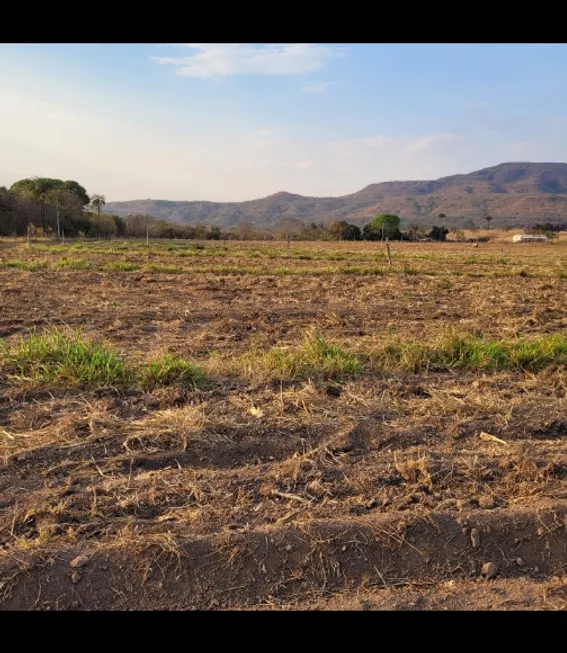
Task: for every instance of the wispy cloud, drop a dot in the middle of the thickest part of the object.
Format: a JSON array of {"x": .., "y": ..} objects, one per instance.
[
  {"x": 431, "y": 140},
  {"x": 316, "y": 87},
  {"x": 127, "y": 159},
  {"x": 216, "y": 59}
]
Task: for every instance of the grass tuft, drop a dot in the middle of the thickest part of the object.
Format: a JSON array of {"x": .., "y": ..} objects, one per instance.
[
  {"x": 165, "y": 269},
  {"x": 122, "y": 266},
  {"x": 62, "y": 359},
  {"x": 29, "y": 266},
  {"x": 469, "y": 352},
  {"x": 74, "y": 264},
  {"x": 170, "y": 370},
  {"x": 313, "y": 358}
]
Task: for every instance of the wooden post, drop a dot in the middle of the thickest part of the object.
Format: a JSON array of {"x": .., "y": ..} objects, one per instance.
[
  {"x": 147, "y": 230},
  {"x": 28, "y": 235},
  {"x": 58, "y": 226},
  {"x": 288, "y": 240},
  {"x": 389, "y": 253}
]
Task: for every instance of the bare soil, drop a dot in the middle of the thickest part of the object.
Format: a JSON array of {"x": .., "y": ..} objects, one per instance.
[{"x": 377, "y": 493}]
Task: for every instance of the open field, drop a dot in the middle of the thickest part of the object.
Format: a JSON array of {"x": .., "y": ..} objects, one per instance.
[{"x": 232, "y": 425}]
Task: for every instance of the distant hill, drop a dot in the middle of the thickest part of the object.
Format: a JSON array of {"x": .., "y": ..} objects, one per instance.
[{"x": 512, "y": 193}]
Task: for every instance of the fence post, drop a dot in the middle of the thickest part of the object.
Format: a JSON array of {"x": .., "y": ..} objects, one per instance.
[{"x": 389, "y": 253}]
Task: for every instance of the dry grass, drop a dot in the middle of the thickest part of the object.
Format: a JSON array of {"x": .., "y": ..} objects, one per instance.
[{"x": 264, "y": 406}]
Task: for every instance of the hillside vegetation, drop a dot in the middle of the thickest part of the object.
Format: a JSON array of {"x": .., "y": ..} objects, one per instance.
[{"x": 514, "y": 193}]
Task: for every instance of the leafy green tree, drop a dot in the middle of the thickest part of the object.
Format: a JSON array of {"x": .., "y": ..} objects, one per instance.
[
  {"x": 9, "y": 223},
  {"x": 214, "y": 233},
  {"x": 76, "y": 189},
  {"x": 45, "y": 190},
  {"x": 385, "y": 225},
  {"x": 120, "y": 225},
  {"x": 352, "y": 232},
  {"x": 36, "y": 189}
]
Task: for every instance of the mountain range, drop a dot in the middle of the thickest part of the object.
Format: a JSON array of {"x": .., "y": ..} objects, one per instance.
[{"x": 512, "y": 193}]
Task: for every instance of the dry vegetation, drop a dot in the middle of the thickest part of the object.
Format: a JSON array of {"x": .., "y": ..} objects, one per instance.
[{"x": 250, "y": 426}]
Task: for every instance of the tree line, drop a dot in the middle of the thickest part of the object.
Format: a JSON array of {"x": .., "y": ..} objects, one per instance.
[
  {"x": 49, "y": 206},
  {"x": 385, "y": 226},
  {"x": 64, "y": 208},
  {"x": 548, "y": 229}
]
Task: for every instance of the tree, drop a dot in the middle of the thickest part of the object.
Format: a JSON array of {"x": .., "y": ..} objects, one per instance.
[
  {"x": 70, "y": 217},
  {"x": 385, "y": 225},
  {"x": 9, "y": 223},
  {"x": 200, "y": 232},
  {"x": 352, "y": 232},
  {"x": 120, "y": 225},
  {"x": 488, "y": 219},
  {"x": 315, "y": 231},
  {"x": 36, "y": 189},
  {"x": 288, "y": 226},
  {"x": 336, "y": 229},
  {"x": 438, "y": 233},
  {"x": 341, "y": 230},
  {"x": 442, "y": 215},
  {"x": 76, "y": 189},
  {"x": 45, "y": 190},
  {"x": 470, "y": 225},
  {"x": 103, "y": 225},
  {"x": 98, "y": 201}
]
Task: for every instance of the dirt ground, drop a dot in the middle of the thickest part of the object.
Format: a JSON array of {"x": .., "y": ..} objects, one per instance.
[{"x": 369, "y": 493}]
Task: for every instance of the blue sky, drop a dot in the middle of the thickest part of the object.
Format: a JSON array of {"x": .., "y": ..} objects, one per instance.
[{"x": 230, "y": 122}]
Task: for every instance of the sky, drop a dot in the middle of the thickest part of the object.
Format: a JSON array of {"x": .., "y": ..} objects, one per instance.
[{"x": 233, "y": 122}]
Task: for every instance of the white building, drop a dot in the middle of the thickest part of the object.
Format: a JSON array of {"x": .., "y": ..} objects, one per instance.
[{"x": 528, "y": 238}]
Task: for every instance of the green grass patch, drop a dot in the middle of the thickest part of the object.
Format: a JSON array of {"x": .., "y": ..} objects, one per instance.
[
  {"x": 313, "y": 358},
  {"x": 170, "y": 370},
  {"x": 456, "y": 351},
  {"x": 122, "y": 266},
  {"x": 164, "y": 269},
  {"x": 63, "y": 359},
  {"x": 73, "y": 264},
  {"x": 445, "y": 284},
  {"x": 28, "y": 266},
  {"x": 411, "y": 271},
  {"x": 52, "y": 249},
  {"x": 362, "y": 271}
]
